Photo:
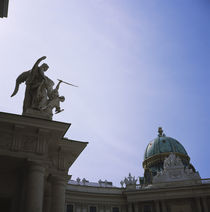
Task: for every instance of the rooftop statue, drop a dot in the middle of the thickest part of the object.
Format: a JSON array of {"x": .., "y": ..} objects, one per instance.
[
  {"x": 174, "y": 170},
  {"x": 40, "y": 96}
]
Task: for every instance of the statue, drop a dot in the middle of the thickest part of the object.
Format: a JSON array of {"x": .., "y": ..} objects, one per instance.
[
  {"x": 122, "y": 183},
  {"x": 40, "y": 97},
  {"x": 54, "y": 100},
  {"x": 130, "y": 182},
  {"x": 174, "y": 171},
  {"x": 78, "y": 180}
]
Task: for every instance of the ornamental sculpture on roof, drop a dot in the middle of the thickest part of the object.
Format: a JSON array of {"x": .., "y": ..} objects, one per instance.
[
  {"x": 174, "y": 170},
  {"x": 40, "y": 96}
]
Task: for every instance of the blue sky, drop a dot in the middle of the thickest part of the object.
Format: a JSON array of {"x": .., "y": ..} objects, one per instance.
[{"x": 139, "y": 64}]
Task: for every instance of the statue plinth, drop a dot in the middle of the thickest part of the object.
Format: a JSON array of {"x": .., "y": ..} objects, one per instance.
[{"x": 38, "y": 114}]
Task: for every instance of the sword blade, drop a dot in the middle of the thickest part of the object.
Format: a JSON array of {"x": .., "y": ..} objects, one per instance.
[{"x": 68, "y": 83}]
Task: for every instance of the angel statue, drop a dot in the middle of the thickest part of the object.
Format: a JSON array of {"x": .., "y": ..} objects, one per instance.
[
  {"x": 38, "y": 87},
  {"x": 40, "y": 96}
]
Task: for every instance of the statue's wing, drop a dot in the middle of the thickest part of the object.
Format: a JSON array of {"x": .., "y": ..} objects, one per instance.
[
  {"x": 21, "y": 78},
  {"x": 49, "y": 83}
]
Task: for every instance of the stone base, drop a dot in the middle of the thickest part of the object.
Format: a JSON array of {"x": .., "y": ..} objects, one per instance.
[
  {"x": 131, "y": 187},
  {"x": 37, "y": 114},
  {"x": 175, "y": 184}
]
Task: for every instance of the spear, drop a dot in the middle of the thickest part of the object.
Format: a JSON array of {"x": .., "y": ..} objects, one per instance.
[{"x": 67, "y": 83}]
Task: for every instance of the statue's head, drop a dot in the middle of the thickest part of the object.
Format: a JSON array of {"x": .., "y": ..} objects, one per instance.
[{"x": 44, "y": 67}]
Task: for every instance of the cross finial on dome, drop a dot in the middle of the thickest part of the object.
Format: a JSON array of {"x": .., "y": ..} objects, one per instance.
[{"x": 160, "y": 131}]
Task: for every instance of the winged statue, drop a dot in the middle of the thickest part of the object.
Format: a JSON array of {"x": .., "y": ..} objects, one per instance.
[
  {"x": 40, "y": 96},
  {"x": 39, "y": 88}
]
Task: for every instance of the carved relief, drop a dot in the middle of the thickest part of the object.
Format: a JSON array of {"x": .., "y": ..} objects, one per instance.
[
  {"x": 16, "y": 143},
  {"x": 41, "y": 146},
  {"x": 5, "y": 141},
  {"x": 61, "y": 162},
  {"x": 58, "y": 161},
  {"x": 28, "y": 143},
  {"x": 34, "y": 143}
]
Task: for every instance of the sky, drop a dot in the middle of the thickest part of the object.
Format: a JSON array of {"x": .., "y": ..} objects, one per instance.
[{"x": 139, "y": 64}]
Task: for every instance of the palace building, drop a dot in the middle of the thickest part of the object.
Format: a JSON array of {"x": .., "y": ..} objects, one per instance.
[{"x": 34, "y": 162}]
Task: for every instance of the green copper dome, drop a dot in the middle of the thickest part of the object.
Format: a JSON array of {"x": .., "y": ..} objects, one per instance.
[
  {"x": 156, "y": 152},
  {"x": 163, "y": 144},
  {"x": 160, "y": 148}
]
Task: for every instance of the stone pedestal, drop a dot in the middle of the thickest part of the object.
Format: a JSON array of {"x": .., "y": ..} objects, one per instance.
[
  {"x": 35, "y": 188},
  {"x": 58, "y": 194},
  {"x": 38, "y": 114}
]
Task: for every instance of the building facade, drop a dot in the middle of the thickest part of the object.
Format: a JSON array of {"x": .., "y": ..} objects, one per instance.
[
  {"x": 170, "y": 184},
  {"x": 34, "y": 162}
]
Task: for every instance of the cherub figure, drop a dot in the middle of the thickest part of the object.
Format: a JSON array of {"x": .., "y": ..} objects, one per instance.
[{"x": 54, "y": 100}]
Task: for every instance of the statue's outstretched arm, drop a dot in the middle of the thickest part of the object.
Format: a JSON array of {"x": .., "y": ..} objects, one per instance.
[
  {"x": 37, "y": 62},
  {"x": 21, "y": 78},
  {"x": 58, "y": 85}
]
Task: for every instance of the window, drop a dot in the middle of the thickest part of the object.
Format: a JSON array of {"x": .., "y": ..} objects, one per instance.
[
  {"x": 70, "y": 208},
  {"x": 92, "y": 208},
  {"x": 115, "y": 209}
]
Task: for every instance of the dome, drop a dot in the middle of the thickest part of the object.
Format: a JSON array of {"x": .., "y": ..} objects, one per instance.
[
  {"x": 160, "y": 148},
  {"x": 163, "y": 144}
]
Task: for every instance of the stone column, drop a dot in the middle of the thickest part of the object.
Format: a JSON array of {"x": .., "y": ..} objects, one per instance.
[
  {"x": 78, "y": 207},
  {"x": 84, "y": 208},
  {"x": 198, "y": 204},
  {"x": 47, "y": 197},
  {"x": 204, "y": 203},
  {"x": 141, "y": 209},
  {"x": 157, "y": 206},
  {"x": 123, "y": 208},
  {"x": 136, "y": 207},
  {"x": 130, "y": 207},
  {"x": 58, "y": 194},
  {"x": 163, "y": 204},
  {"x": 35, "y": 187}
]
